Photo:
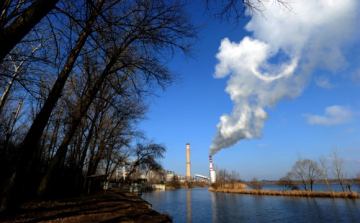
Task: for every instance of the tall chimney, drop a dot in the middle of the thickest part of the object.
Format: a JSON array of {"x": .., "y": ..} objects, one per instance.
[
  {"x": 212, "y": 171},
  {"x": 188, "y": 171}
]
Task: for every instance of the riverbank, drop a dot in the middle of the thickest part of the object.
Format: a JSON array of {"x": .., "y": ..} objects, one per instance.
[
  {"x": 99, "y": 207},
  {"x": 295, "y": 193}
]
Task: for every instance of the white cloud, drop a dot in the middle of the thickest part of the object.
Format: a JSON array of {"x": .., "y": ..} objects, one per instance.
[
  {"x": 349, "y": 160},
  {"x": 350, "y": 130},
  {"x": 355, "y": 76},
  {"x": 334, "y": 115},
  {"x": 324, "y": 82},
  {"x": 311, "y": 36},
  {"x": 352, "y": 150}
]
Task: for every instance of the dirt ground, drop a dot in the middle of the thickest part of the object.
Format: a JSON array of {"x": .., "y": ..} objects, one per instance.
[{"x": 100, "y": 207}]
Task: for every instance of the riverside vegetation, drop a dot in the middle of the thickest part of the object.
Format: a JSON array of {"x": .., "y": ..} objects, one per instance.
[
  {"x": 296, "y": 193},
  {"x": 298, "y": 182},
  {"x": 256, "y": 189}
]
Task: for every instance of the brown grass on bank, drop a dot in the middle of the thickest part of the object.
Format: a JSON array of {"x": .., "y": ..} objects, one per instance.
[
  {"x": 98, "y": 207},
  {"x": 235, "y": 186},
  {"x": 296, "y": 193}
]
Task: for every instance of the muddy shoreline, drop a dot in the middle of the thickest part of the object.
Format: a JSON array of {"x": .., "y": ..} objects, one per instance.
[{"x": 99, "y": 207}]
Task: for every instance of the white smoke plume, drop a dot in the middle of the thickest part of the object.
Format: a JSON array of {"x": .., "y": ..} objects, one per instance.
[{"x": 310, "y": 36}]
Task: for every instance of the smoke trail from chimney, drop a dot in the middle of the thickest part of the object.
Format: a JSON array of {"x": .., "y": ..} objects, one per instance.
[{"x": 299, "y": 41}]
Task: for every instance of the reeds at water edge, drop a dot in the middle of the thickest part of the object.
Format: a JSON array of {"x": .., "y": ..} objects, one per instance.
[{"x": 296, "y": 193}]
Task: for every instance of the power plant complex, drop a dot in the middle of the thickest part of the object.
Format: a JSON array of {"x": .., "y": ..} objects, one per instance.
[{"x": 212, "y": 173}]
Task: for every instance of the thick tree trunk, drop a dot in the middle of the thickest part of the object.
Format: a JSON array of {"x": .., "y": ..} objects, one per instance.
[
  {"x": 87, "y": 143},
  {"x": 21, "y": 26}
]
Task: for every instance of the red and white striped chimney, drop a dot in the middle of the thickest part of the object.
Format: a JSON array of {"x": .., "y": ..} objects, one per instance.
[{"x": 212, "y": 171}]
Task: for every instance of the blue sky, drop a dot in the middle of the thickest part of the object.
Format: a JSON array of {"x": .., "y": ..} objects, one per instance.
[{"x": 311, "y": 107}]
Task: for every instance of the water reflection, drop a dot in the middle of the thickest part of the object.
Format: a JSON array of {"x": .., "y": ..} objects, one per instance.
[
  {"x": 188, "y": 199},
  {"x": 213, "y": 206},
  {"x": 200, "y": 205}
]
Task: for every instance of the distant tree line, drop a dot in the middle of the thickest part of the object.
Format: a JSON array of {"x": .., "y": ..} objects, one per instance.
[
  {"x": 306, "y": 172},
  {"x": 303, "y": 175}
]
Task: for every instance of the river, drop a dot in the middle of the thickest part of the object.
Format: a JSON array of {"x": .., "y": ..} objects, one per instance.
[{"x": 198, "y": 205}]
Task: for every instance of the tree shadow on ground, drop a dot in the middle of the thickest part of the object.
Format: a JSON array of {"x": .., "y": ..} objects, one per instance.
[{"x": 110, "y": 207}]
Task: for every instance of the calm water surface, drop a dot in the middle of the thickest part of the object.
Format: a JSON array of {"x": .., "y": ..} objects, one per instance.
[
  {"x": 198, "y": 205},
  {"x": 316, "y": 187}
]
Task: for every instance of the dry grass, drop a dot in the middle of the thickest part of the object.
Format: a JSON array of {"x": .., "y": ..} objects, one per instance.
[
  {"x": 290, "y": 193},
  {"x": 98, "y": 207},
  {"x": 235, "y": 186}
]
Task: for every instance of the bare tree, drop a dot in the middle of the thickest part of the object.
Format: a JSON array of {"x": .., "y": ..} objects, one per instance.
[
  {"x": 338, "y": 169},
  {"x": 348, "y": 183},
  {"x": 237, "y": 9},
  {"x": 12, "y": 124},
  {"x": 286, "y": 182},
  {"x": 324, "y": 170},
  {"x": 16, "y": 73},
  {"x": 144, "y": 157},
  {"x": 222, "y": 178},
  {"x": 18, "y": 18},
  {"x": 234, "y": 177},
  {"x": 306, "y": 172}
]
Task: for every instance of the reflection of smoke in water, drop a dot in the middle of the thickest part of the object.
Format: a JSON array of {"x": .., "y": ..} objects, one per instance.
[{"x": 298, "y": 43}]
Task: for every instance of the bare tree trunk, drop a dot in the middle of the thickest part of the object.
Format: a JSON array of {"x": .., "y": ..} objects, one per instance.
[
  {"x": 9, "y": 133},
  {"x": 76, "y": 153},
  {"x": 21, "y": 26},
  {"x": 80, "y": 165},
  {"x": 338, "y": 169},
  {"x": 90, "y": 161},
  {"x": 54, "y": 137},
  {"x": 324, "y": 168},
  {"x": 86, "y": 146},
  {"x": 13, "y": 77}
]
